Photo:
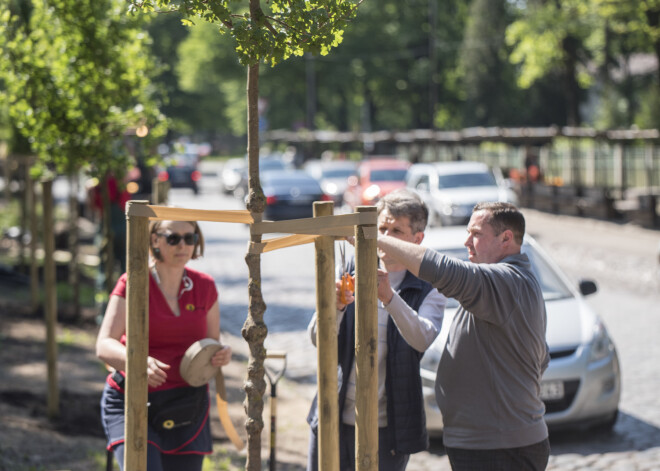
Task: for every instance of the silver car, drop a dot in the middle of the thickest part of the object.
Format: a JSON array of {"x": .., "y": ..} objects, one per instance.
[
  {"x": 582, "y": 384},
  {"x": 451, "y": 189}
]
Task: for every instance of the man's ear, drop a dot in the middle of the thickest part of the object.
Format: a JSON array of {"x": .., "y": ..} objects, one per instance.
[
  {"x": 419, "y": 237},
  {"x": 507, "y": 236}
]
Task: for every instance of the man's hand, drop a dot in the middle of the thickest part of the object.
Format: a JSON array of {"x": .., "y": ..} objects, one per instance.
[
  {"x": 385, "y": 292},
  {"x": 348, "y": 296}
]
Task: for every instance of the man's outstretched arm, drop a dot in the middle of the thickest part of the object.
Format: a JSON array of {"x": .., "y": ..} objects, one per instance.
[{"x": 408, "y": 254}]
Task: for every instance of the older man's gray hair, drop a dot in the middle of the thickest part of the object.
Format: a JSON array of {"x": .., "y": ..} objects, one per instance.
[{"x": 406, "y": 203}]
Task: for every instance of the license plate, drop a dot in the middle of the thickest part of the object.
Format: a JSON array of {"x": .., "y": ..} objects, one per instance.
[{"x": 552, "y": 390}]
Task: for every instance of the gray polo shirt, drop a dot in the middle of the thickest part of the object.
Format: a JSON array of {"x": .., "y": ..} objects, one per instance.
[{"x": 489, "y": 374}]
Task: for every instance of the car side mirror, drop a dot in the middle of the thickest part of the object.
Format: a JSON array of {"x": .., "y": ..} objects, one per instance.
[{"x": 587, "y": 287}]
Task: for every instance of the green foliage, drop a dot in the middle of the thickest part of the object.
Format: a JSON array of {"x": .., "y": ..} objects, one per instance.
[
  {"x": 76, "y": 77},
  {"x": 540, "y": 35},
  {"x": 269, "y": 34}
]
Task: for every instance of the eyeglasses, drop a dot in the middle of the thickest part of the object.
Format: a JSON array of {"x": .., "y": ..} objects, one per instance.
[{"x": 173, "y": 238}]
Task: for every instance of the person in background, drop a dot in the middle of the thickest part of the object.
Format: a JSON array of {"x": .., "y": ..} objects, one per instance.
[
  {"x": 410, "y": 314},
  {"x": 489, "y": 374},
  {"x": 183, "y": 308}
]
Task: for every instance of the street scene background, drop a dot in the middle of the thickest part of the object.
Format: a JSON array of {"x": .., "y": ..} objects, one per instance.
[{"x": 621, "y": 258}]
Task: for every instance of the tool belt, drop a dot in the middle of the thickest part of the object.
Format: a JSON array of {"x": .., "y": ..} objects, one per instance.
[{"x": 177, "y": 407}]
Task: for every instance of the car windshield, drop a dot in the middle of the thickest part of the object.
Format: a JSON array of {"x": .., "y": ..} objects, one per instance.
[
  {"x": 338, "y": 172},
  {"x": 388, "y": 175},
  {"x": 271, "y": 164},
  {"x": 458, "y": 180},
  {"x": 551, "y": 285}
]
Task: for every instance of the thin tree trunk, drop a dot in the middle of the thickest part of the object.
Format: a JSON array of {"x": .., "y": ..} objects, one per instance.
[
  {"x": 107, "y": 250},
  {"x": 50, "y": 301},
  {"x": 254, "y": 330},
  {"x": 571, "y": 88},
  {"x": 74, "y": 278},
  {"x": 34, "y": 231},
  {"x": 23, "y": 169}
]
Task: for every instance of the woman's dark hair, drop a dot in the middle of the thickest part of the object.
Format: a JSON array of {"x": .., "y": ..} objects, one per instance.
[{"x": 154, "y": 226}]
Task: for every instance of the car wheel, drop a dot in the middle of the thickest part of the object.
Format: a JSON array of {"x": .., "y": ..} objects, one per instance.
[{"x": 607, "y": 426}]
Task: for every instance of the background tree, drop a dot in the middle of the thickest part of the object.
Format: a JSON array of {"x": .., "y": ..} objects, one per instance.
[
  {"x": 551, "y": 36},
  {"x": 75, "y": 78}
]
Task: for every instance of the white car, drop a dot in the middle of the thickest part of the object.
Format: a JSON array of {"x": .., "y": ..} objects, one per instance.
[
  {"x": 451, "y": 189},
  {"x": 582, "y": 384}
]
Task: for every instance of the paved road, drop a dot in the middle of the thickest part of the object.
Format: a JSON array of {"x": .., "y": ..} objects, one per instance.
[{"x": 622, "y": 259}]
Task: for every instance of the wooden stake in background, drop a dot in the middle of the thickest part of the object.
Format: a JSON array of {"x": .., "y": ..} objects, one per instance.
[
  {"x": 366, "y": 348},
  {"x": 326, "y": 347},
  {"x": 50, "y": 300},
  {"x": 137, "y": 344}
]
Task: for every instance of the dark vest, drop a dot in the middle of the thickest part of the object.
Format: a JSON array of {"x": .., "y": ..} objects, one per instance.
[{"x": 406, "y": 419}]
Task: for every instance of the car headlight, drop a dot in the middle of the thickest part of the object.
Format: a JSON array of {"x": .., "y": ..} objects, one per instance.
[
  {"x": 601, "y": 345},
  {"x": 371, "y": 193}
]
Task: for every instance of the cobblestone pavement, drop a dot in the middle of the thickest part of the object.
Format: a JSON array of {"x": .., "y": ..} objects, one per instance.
[{"x": 622, "y": 259}]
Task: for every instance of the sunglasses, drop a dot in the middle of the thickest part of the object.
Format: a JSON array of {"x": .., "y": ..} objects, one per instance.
[{"x": 173, "y": 238}]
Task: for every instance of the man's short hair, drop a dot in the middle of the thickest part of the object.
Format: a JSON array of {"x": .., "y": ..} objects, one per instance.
[
  {"x": 503, "y": 216},
  {"x": 406, "y": 203}
]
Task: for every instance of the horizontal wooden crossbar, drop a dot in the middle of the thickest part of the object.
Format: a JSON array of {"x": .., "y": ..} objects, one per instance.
[
  {"x": 281, "y": 243},
  {"x": 341, "y": 225},
  {"x": 304, "y": 230},
  {"x": 160, "y": 213}
]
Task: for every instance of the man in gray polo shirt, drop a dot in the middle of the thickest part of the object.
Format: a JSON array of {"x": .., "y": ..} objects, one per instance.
[{"x": 489, "y": 374}]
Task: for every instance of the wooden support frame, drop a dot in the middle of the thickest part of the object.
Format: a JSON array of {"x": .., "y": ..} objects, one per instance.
[
  {"x": 137, "y": 331},
  {"x": 366, "y": 348},
  {"x": 326, "y": 347},
  {"x": 321, "y": 229}
]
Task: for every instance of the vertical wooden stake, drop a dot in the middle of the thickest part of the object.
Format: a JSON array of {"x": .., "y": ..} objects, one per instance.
[
  {"x": 366, "y": 349},
  {"x": 326, "y": 346},
  {"x": 137, "y": 340},
  {"x": 50, "y": 300},
  {"x": 34, "y": 267}
]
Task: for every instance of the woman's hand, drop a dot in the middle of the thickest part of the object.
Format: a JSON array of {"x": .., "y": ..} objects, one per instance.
[
  {"x": 222, "y": 357},
  {"x": 156, "y": 372}
]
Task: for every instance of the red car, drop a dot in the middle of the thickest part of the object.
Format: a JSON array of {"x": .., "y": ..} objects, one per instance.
[{"x": 376, "y": 177}]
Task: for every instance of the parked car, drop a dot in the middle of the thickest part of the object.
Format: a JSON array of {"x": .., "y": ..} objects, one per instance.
[
  {"x": 333, "y": 176},
  {"x": 376, "y": 177},
  {"x": 451, "y": 189},
  {"x": 231, "y": 174},
  {"x": 266, "y": 164},
  {"x": 181, "y": 171},
  {"x": 582, "y": 384},
  {"x": 290, "y": 194}
]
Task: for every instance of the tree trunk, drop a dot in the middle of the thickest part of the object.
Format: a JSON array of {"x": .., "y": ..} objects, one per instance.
[
  {"x": 107, "y": 250},
  {"x": 653, "y": 20},
  {"x": 34, "y": 231},
  {"x": 74, "y": 278},
  {"x": 254, "y": 330},
  {"x": 571, "y": 88},
  {"x": 50, "y": 301}
]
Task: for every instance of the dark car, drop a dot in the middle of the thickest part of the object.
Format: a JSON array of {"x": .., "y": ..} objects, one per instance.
[
  {"x": 290, "y": 194},
  {"x": 181, "y": 171},
  {"x": 266, "y": 164},
  {"x": 333, "y": 176}
]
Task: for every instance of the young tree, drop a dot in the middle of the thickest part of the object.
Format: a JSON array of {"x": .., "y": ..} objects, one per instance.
[{"x": 267, "y": 32}]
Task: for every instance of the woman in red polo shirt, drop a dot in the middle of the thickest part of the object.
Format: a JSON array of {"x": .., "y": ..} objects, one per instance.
[{"x": 183, "y": 308}]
